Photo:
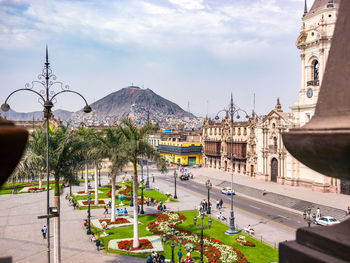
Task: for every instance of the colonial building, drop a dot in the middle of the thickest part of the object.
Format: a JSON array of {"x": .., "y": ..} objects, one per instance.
[
  {"x": 258, "y": 147},
  {"x": 181, "y": 153}
]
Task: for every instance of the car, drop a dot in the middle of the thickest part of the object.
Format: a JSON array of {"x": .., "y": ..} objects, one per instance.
[
  {"x": 326, "y": 221},
  {"x": 227, "y": 191}
]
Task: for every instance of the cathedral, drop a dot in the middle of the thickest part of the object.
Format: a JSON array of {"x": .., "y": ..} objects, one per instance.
[{"x": 255, "y": 147}]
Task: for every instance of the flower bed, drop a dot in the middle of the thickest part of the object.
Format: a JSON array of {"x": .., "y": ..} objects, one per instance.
[
  {"x": 118, "y": 220},
  {"x": 128, "y": 245},
  {"x": 83, "y": 192},
  {"x": 37, "y": 189},
  {"x": 245, "y": 242},
  {"x": 155, "y": 241},
  {"x": 214, "y": 250},
  {"x": 100, "y": 202}
]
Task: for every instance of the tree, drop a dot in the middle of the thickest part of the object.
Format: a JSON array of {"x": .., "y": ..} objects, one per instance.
[
  {"x": 64, "y": 145},
  {"x": 112, "y": 145},
  {"x": 136, "y": 145}
]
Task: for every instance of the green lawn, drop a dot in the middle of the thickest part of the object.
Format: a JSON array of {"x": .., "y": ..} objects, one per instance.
[
  {"x": 261, "y": 253},
  {"x": 147, "y": 194}
]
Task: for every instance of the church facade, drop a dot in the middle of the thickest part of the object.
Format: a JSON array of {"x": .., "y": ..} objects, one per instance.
[{"x": 259, "y": 143}]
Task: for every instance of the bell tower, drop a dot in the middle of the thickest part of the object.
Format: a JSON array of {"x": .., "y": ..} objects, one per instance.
[{"x": 314, "y": 43}]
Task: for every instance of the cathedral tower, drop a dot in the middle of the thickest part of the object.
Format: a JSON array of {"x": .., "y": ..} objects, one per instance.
[{"x": 314, "y": 43}]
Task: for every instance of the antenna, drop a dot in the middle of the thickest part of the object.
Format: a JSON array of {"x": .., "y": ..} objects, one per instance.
[{"x": 188, "y": 107}]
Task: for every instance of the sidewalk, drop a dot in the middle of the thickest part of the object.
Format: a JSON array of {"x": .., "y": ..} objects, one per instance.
[{"x": 290, "y": 197}]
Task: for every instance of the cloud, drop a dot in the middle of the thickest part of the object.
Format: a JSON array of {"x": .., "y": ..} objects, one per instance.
[{"x": 163, "y": 25}]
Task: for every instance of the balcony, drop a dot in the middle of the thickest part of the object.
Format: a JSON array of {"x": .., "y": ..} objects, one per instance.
[
  {"x": 212, "y": 153},
  {"x": 313, "y": 83}
]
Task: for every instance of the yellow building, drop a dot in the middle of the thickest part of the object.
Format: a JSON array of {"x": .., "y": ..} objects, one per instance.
[{"x": 184, "y": 153}]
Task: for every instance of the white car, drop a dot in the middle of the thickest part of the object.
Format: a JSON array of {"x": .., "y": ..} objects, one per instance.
[
  {"x": 326, "y": 221},
  {"x": 227, "y": 191}
]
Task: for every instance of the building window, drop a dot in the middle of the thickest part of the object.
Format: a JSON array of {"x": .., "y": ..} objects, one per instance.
[
  {"x": 275, "y": 143},
  {"x": 315, "y": 70}
]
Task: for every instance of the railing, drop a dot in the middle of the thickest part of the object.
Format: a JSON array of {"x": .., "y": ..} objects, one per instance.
[{"x": 313, "y": 83}]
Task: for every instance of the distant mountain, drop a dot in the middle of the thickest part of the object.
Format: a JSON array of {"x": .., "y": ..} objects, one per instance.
[
  {"x": 129, "y": 101},
  {"x": 35, "y": 115},
  {"x": 120, "y": 103}
]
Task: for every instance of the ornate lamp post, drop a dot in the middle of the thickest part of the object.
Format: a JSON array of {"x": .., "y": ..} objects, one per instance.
[
  {"x": 147, "y": 180},
  {"x": 209, "y": 185},
  {"x": 307, "y": 216},
  {"x": 99, "y": 174},
  {"x": 47, "y": 98},
  {"x": 175, "y": 176},
  {"x": 202, "y": 226},
  {"x": 233, "y": 112},
  {"x": 88, "y": 212},
  {"x": 142, "y": 187},
  {"x": 172, "y": 242}
]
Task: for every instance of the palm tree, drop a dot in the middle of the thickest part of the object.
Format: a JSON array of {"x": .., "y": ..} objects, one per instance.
[
  {"x": 36, "y": 152},
  {"x": 137, "y": 145},
  {"x": 96, "y": 155},
  {"x": 112, "y": 146},
  {"x": 87, "y": 136},
  {"x": 64, "y": 145}
]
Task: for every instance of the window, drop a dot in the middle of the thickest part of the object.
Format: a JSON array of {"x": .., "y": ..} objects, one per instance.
[
  {"x": 315, "y": 69},
  {"x": 275, "y": 143}
]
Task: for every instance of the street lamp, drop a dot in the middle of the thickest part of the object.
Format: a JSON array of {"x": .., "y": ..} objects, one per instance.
[
  {"x": 172, "y": 242},
  {"x": 175, "y": 176},
  {"x": 99, "y": 174},
  {"x": 142, "y": 187},
  {"x": 88, "y": 232},
  {"x": 147, "y": 180},
  {"x": 47, "y": 98},
  {"x": 209, "y": 185},
  {"x": 202, "y": 226},
  {"x": 233, "y": 111},
  {"x": 307, "y": 216}
]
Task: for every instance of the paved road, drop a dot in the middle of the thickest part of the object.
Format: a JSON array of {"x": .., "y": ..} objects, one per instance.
[{"x": 271, "y": 213}]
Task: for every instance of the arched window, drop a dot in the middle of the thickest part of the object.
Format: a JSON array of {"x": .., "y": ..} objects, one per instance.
[{"x": 315, "y": 69}]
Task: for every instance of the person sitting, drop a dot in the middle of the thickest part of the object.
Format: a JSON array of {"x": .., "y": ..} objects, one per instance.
[
  {"x": 249, "y": 230},
  {"x": 220, "y": 216},
  {"x": 125, "y": 211},
  {"x": 164, "y": 207}
]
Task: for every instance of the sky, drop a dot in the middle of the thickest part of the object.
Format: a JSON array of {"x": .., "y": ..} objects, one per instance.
[{"x": 192, "y": 52}]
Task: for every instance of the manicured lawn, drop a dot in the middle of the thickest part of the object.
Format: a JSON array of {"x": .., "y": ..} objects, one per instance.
[
  {"x": 7, "y": 188},
  {"x": 261, "y": 253},
  {"x": 147, "y": 194}
]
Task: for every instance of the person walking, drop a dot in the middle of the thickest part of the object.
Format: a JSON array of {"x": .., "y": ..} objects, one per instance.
[
  {"x": 44, "y": 231},
  {"x": 179, "y": 254},
  {"x": 221, "y": 203},
  {"x": 106, "y": 210},
  {"x": 318, "y": 213},
  {"x": 217, "y": 204}
]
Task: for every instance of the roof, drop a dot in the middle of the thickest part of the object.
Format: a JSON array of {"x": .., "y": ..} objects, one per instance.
[{"x": 322, "y": 4}]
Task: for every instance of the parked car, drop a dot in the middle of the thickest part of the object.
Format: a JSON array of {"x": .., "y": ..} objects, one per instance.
[
  {"x": 184, "y": 177},
  {"x": 326, "y": 221},
  {"x": 227, "y": 191}
]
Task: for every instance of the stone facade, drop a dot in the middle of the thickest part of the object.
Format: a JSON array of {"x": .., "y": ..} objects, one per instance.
[{"x": 258, "y": 142}]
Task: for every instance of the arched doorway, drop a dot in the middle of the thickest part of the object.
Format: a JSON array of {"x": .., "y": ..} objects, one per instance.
[
  {"x": 274, "y": 170},
  {"x": 251, "y": 170}
]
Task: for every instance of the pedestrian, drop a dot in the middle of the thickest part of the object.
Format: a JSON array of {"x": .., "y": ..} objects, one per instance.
[
  {"x": 221, "y": 203},
  {"x": 149, "y": 259},
  {"x": 85, "y": 223},
  {"x": 348, "y": 211},
  {"x": 109, "y": 204},
  {"x": 318, "y": 213},
  {"x": 218, "y": 204},
  {"x": 44, "y": 231},
  {"x": 179, "y": 254},
  {"x": 106, "y": 210},
  {"x": 152, "y": 178}
]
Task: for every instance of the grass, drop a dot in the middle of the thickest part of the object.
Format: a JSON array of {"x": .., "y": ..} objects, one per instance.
[
  {"x": 261, "y": 253},
  {"x": 147, "y": 194}
]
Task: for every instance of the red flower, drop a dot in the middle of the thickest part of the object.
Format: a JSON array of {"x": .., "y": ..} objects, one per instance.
[{"x": 128, "y": 245}]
